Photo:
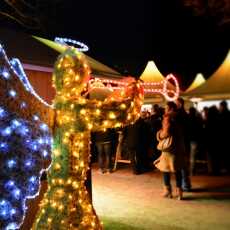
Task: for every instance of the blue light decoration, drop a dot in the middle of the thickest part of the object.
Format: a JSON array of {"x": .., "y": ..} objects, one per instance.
[
  {"x": 11, "y": 163},
  {"x": 3, "y": 147},
  {"x": 25, "y": 147},
  {"x": 6, "y": 131},
  {"x": 43, "y": 127},
  {"x": 2, "y": 112}
]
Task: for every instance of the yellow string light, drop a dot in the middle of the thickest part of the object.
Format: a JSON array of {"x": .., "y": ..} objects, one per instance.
[
  {"x": 112, "y": 115},
  {"x": 76, "y": 117}
]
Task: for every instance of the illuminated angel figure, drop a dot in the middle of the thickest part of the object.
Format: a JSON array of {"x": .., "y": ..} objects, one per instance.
[{"x": 66, "y": 204}]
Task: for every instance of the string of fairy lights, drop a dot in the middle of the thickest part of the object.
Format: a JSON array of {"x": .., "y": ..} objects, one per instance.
[
  {"x": 66, "y": 41},
  {"x": 149, "y": 87},
  {"x": 16, "y": 67},
  {"x": 67, "y": 203},
  {"x": 24, "y": 145},
  {"x": 170, "y": 95},
  {"x": 160, "y": 87}
]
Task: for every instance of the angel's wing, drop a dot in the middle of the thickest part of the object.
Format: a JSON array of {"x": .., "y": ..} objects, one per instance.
[
  {"x": 25, "y": 141},
  {"x": 18, "y": 94}
]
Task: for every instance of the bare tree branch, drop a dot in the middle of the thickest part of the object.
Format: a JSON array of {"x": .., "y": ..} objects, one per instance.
[
  {"x": 219, "y": 10},
  {"x": 28, "y": 13},
  {"x": 28, "y": 23},
  {"x": 22, "y": 13}
]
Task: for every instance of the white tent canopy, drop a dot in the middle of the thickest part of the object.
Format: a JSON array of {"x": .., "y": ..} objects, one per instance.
[
  {"x": 198, "y": 81},
  {"x": 151, "y": 74},
  {"x": 217, "y": 86}
]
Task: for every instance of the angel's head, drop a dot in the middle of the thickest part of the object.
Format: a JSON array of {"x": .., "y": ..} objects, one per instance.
[{"x": 71, "y": 74}]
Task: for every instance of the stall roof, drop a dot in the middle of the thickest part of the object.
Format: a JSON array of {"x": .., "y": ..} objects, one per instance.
[
  {"x": 198, "y": 81},
  {"x": 151, "y": 73},
  {"x": 29, "y": 50},
  {"x": 217, "y": 86}
]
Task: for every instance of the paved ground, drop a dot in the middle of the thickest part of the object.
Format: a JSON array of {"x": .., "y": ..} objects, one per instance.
[{"x": 133, "y": 202}]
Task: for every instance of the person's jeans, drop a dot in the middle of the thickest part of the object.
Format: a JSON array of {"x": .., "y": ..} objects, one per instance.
[
  {"x": 135, "y": 161},
  {"x": 104, "y": 155},
  {"x": 167, "y": 179},
  {"x": 193, "y": 153}
]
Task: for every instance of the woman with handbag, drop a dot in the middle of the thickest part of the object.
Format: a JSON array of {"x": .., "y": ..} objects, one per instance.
[{"x": 171, "y": 145}]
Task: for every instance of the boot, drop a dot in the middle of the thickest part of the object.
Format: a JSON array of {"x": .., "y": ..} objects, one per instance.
[
  {"x": 167, "y": 193},
  {"x": 179, "y": 193}
]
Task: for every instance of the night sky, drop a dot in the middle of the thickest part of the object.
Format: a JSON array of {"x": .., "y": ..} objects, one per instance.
[{"x": 126, "y": 34}]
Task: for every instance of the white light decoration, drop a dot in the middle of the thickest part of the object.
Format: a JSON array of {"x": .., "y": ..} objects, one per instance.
[
  {"x": 5, "y": 74},
  {"x": 11, "y": 163},
  {"x": 7, "y": 131},
  {"x": 35, "y": 118},
  {"x": 149, "y": 87},
  {"x": 16, "y": 67},
  {"x": 175, "y": 94},
  {"x": 11, "y": 226},
  {"x": 15, "y": 123},
  {"x": 2, "y": 112},
  {"x": 43, "y": 127},
  {"x": 32, "y": 179},
  {"x": 23, "y": 105},
  {"x": 66, "y": 41},
  {"x": 45, "y": 153},
  {"x": 18, "y": 70},
  {"x": 12, "y": 93}
]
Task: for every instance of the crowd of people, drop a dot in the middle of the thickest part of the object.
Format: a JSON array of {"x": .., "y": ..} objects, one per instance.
[{"x": 195, "y": 135}]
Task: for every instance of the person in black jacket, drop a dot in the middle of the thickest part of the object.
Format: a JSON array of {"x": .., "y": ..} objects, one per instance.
[
  {"x": 136, "y": 145},
  {"x": 213, "y": 134},
  {"x": 224, "y": 115},
  {"x": 195, "y": 136},
  {"x": 182, "y": 119},
  {"x": 155, "y": 125},
  {"x": 104, "y": 142}
]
